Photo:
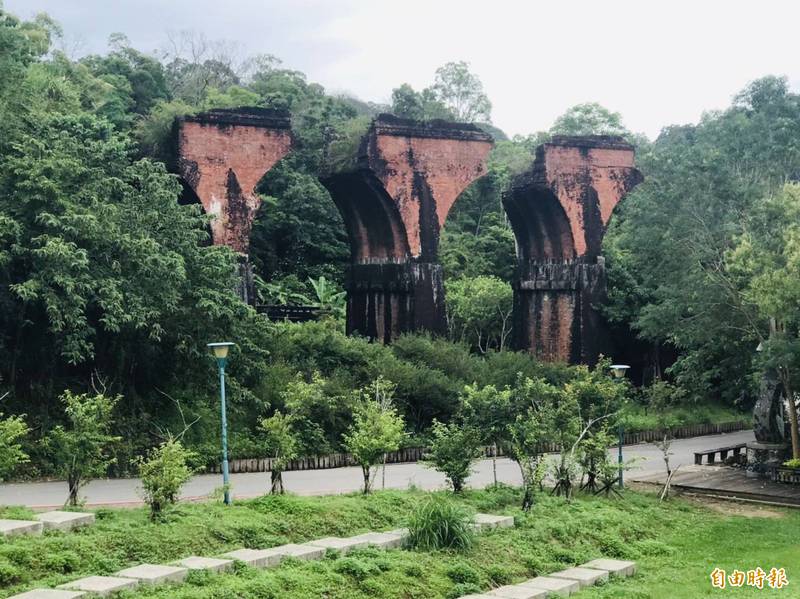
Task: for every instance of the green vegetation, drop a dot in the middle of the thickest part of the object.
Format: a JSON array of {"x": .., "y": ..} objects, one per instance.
[
  {"x": 163, "y": 473},
  {"x": 440, "y": 524},
  {"x": 676, "y": 545}
]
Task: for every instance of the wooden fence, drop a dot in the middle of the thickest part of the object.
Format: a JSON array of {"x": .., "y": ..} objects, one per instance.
[{"x": 414, "y": 454}]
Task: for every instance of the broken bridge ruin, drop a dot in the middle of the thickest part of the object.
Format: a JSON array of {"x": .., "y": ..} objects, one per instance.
[
  {"x": 394, "y": 203},
  {"x": 559, "y": 211}
]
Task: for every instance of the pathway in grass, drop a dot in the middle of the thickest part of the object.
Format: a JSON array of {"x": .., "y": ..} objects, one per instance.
[{"x": 674, "y": 542}]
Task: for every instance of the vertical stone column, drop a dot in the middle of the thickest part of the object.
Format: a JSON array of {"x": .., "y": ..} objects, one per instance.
[
  {"x": 559, "y": 211},
  {"x": 394, "y": 202},
  {"x": 221, "y": 156}
]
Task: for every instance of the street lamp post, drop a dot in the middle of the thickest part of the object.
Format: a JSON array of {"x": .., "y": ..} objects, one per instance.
[
  {"x": 220, "y": 351},
  {"x": 620, "y": 370}
]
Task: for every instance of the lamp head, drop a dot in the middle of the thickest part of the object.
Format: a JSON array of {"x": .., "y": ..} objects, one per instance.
[
  {"x": 619, "y": 370},
  {"x": 220, "y": 350}
]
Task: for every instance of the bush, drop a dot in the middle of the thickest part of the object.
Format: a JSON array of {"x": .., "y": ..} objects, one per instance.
[
  {"x": 11, "y": 454},
  {"x": 440, "y": 524},
  {"x": 464, "y": 574},
  {"x": 163, "y": 474},
  {"x": 453, "y": 450}
]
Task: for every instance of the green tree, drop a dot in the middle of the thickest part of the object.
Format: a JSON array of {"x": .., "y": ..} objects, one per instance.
[
  {"x": 479, "y": 311},
  {"x": 12, "y": 429},
  {"x": 82, "y": 450},
  {"x": 765, "y": 265},
  {"x": 462, "y": 92},
  {"x": 589, "y": 119},
  {"x": 489, "y": 411},
  {"x": 282, "y": 446},
  {"x": 163, "y": 474},
  {"x": 454, "y": 448},
  {"x": 377, "y": 429}
]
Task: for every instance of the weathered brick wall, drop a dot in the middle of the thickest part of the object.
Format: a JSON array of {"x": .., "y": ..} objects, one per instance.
[
  {"x": 559, "y": 211},
  {"x": 394, "y": 204},
  {"x": 222, "y": 155}
]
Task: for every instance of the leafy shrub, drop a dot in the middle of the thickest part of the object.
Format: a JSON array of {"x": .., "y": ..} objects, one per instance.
[
  {"x": 11, "y": 454},
  {"x": 499, "y": 575},
  {"x": 793, "y": 463},
  {"x": 463, "y": 573},
  {"x": 440, "y": 524},
  {"x": 163, "y": 474},
  {"x": 356, "y": 568},
  {"x": 9, "y": 574},
  {"x": 454, "y": 448}
]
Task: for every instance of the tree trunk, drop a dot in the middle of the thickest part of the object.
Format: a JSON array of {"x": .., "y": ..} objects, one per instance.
[
  {"x": 74, "y": 485},
  {"x": 276, "y": 477},
  {"x": 494, "y": 463},
  {"x": 365, "y": 471},
  {"x": 793, "y": 424}
]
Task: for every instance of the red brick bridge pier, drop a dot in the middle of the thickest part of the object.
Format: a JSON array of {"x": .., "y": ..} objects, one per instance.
[{"x": 559, "y": 211}]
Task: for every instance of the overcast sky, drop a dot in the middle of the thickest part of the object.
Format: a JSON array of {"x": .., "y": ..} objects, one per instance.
[{"x": 657, "y": 62}]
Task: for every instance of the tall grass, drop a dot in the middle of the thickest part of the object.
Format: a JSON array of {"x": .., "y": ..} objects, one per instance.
[{"x": 441, "y": 524}]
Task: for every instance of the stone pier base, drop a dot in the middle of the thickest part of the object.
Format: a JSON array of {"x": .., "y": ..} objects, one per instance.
[
  {"x": 761, "y": 457},
  {"x": 387, "y": 299}
]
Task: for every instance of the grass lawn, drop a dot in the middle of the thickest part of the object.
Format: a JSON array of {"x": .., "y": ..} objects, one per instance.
[{"x": 676, "y": 545}]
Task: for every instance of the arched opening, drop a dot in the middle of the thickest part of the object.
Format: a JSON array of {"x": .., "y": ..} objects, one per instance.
[
  {"x": 188, "y": 197},
  {"x": 541, "y": 227}
]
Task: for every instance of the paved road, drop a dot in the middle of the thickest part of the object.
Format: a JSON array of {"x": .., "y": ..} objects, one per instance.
[{"x": 342, "y": 480}]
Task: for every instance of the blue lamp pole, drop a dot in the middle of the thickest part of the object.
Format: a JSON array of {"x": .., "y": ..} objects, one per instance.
[
  {"x": 620, "y": 370},
  {"x": 221, "y": 354}
]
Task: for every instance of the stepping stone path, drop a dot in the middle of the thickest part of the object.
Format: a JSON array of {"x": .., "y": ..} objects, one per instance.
[
  {"x": 100, "y": 585},
  {"x": 257, "y": 558},
  {"x": 563, "y": 583}
]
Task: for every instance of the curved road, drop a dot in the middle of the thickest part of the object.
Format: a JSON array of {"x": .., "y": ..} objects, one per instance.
[{"x": 342, "y": 480}]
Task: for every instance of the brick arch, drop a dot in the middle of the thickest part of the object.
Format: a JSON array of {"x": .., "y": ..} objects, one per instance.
[
  {"x": 222, "y": 155},
  {"x": 394, "y": 203},
  {"x": 559, "y": 211}
]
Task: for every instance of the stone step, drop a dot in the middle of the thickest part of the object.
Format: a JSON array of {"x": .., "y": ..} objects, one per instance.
[
  {"x": 382, "y": 540},
  {"x": 556, "y": 586},
  {"x": 49, "y": 594},
  {"x": 563, "y": 583},
  {"x": 485, "y": 522},
  {"x": 100, "y": 586},
  {"x": 255, "y": 558},
  {"x": 516, "y": 591},
  {"x": 154, "y": 573},
  {"x": 58, "y": 520},
  {"x": 585, "y": 576},
  {"x": 614, "y": 567},
  {"x": 12, "y": 528},
  {"x": 211, "y": 564},
  {"x": 341, "y": 545}
]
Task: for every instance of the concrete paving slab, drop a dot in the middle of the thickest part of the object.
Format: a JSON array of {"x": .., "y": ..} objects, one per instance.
[
  {"x": 615, "y": 567},
  {"x": 304, "y": 552},
  {"x": 382, "y": 540},
  {"x": 491, "y": 521},
  {"x": 58, "y": 520},
  {"x": 514, "y": 591},
  {"x": 257, "y": 558},
  {"x": 585, "y": 576},
  {"x": 100, "y": 585},
  {"x": 212, "y": 564},
  {"x": 402, "y": 532},
  {"x": 49, "y": 594},
  {"x": 479, "y": 596},
  {"x": 12, "y": 528},
  {"x": 154, "y": 573},
  {"x": 342, "y": 545},
  {"x": 561, "y": 587}
]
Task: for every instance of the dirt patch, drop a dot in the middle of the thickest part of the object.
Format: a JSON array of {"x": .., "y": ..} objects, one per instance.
[{"x": 736, "y": 508}]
